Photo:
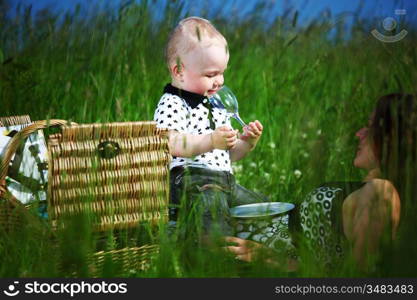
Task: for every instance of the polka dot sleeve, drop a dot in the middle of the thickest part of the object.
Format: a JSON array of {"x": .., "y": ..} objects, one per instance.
[{"x": 171, "y": 113}]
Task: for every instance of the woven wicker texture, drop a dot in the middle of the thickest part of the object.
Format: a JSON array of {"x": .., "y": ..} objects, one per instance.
[
  {"x": 127, "y": 259},
  {"x": 115, "y": 172},
  {"x": 14, "y": 120}
]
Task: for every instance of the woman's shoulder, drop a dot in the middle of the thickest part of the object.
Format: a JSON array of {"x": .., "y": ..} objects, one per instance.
[
  {"x": 377, "y": 202},
  {"x": 375, "y": 191},
  {"x": 381, "y": 188}
]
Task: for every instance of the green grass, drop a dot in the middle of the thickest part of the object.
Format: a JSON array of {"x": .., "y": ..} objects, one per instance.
[{"x": 310, "y": 92}]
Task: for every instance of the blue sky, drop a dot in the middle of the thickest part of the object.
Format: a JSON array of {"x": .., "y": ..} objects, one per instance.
[{"x": 307, "y": 9}]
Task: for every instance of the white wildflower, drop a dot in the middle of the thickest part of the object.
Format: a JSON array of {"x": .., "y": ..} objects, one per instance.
[
  {"x": 306, "y": 155},
  {"x": 304, "y": 135},
  {"x": 282, "y": 179},
  {"x": 237, "y": 168},
  {"x": 297, "y": 173},
  {"x": 319, "y": 132},
  {"x": 253, "y": 165},
  {"x": 272, "y": 145}
]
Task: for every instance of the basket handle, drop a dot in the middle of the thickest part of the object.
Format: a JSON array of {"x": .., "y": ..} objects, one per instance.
[{"x": 16, "y": 140}]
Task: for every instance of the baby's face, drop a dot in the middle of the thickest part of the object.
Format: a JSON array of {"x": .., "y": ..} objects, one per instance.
[{"x": 203, "y": 69}]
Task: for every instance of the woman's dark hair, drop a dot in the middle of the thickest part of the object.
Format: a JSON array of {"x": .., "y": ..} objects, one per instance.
[{"x": 394, "y": 135}]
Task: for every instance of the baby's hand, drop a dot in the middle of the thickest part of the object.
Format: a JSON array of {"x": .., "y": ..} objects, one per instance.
[
  {"x": 224, "y": 138},
  {"x": 252, "y": 133}
]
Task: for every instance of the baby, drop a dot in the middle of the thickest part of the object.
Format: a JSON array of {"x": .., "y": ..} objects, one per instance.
[{"x": 201, "y": 139}]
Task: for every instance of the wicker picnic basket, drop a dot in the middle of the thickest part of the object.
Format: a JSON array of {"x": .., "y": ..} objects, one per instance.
[
  {"x": 120, "y": 170},
  {"x": 116, "y": 173}
]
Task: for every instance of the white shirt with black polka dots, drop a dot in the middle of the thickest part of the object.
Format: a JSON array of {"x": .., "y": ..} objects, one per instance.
[{"x": 186, "y": 112}]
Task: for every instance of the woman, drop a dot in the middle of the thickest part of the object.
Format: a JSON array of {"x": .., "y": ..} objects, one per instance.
[{"x": 362, "y": 214}]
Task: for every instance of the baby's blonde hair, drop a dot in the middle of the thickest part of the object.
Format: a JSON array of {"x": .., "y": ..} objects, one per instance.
[{"x": 190, "y": 33}]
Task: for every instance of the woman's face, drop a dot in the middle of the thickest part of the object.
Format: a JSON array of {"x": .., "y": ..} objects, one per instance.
[{"x": 365, "y": 156}]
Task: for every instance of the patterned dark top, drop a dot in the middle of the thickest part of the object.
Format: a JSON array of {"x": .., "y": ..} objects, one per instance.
[{"x": 320, "y": 219}]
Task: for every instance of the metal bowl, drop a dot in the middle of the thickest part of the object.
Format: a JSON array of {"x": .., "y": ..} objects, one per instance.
[
  {"x": 263, "y": 222},
  {"x": 260, "y": 210}
]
